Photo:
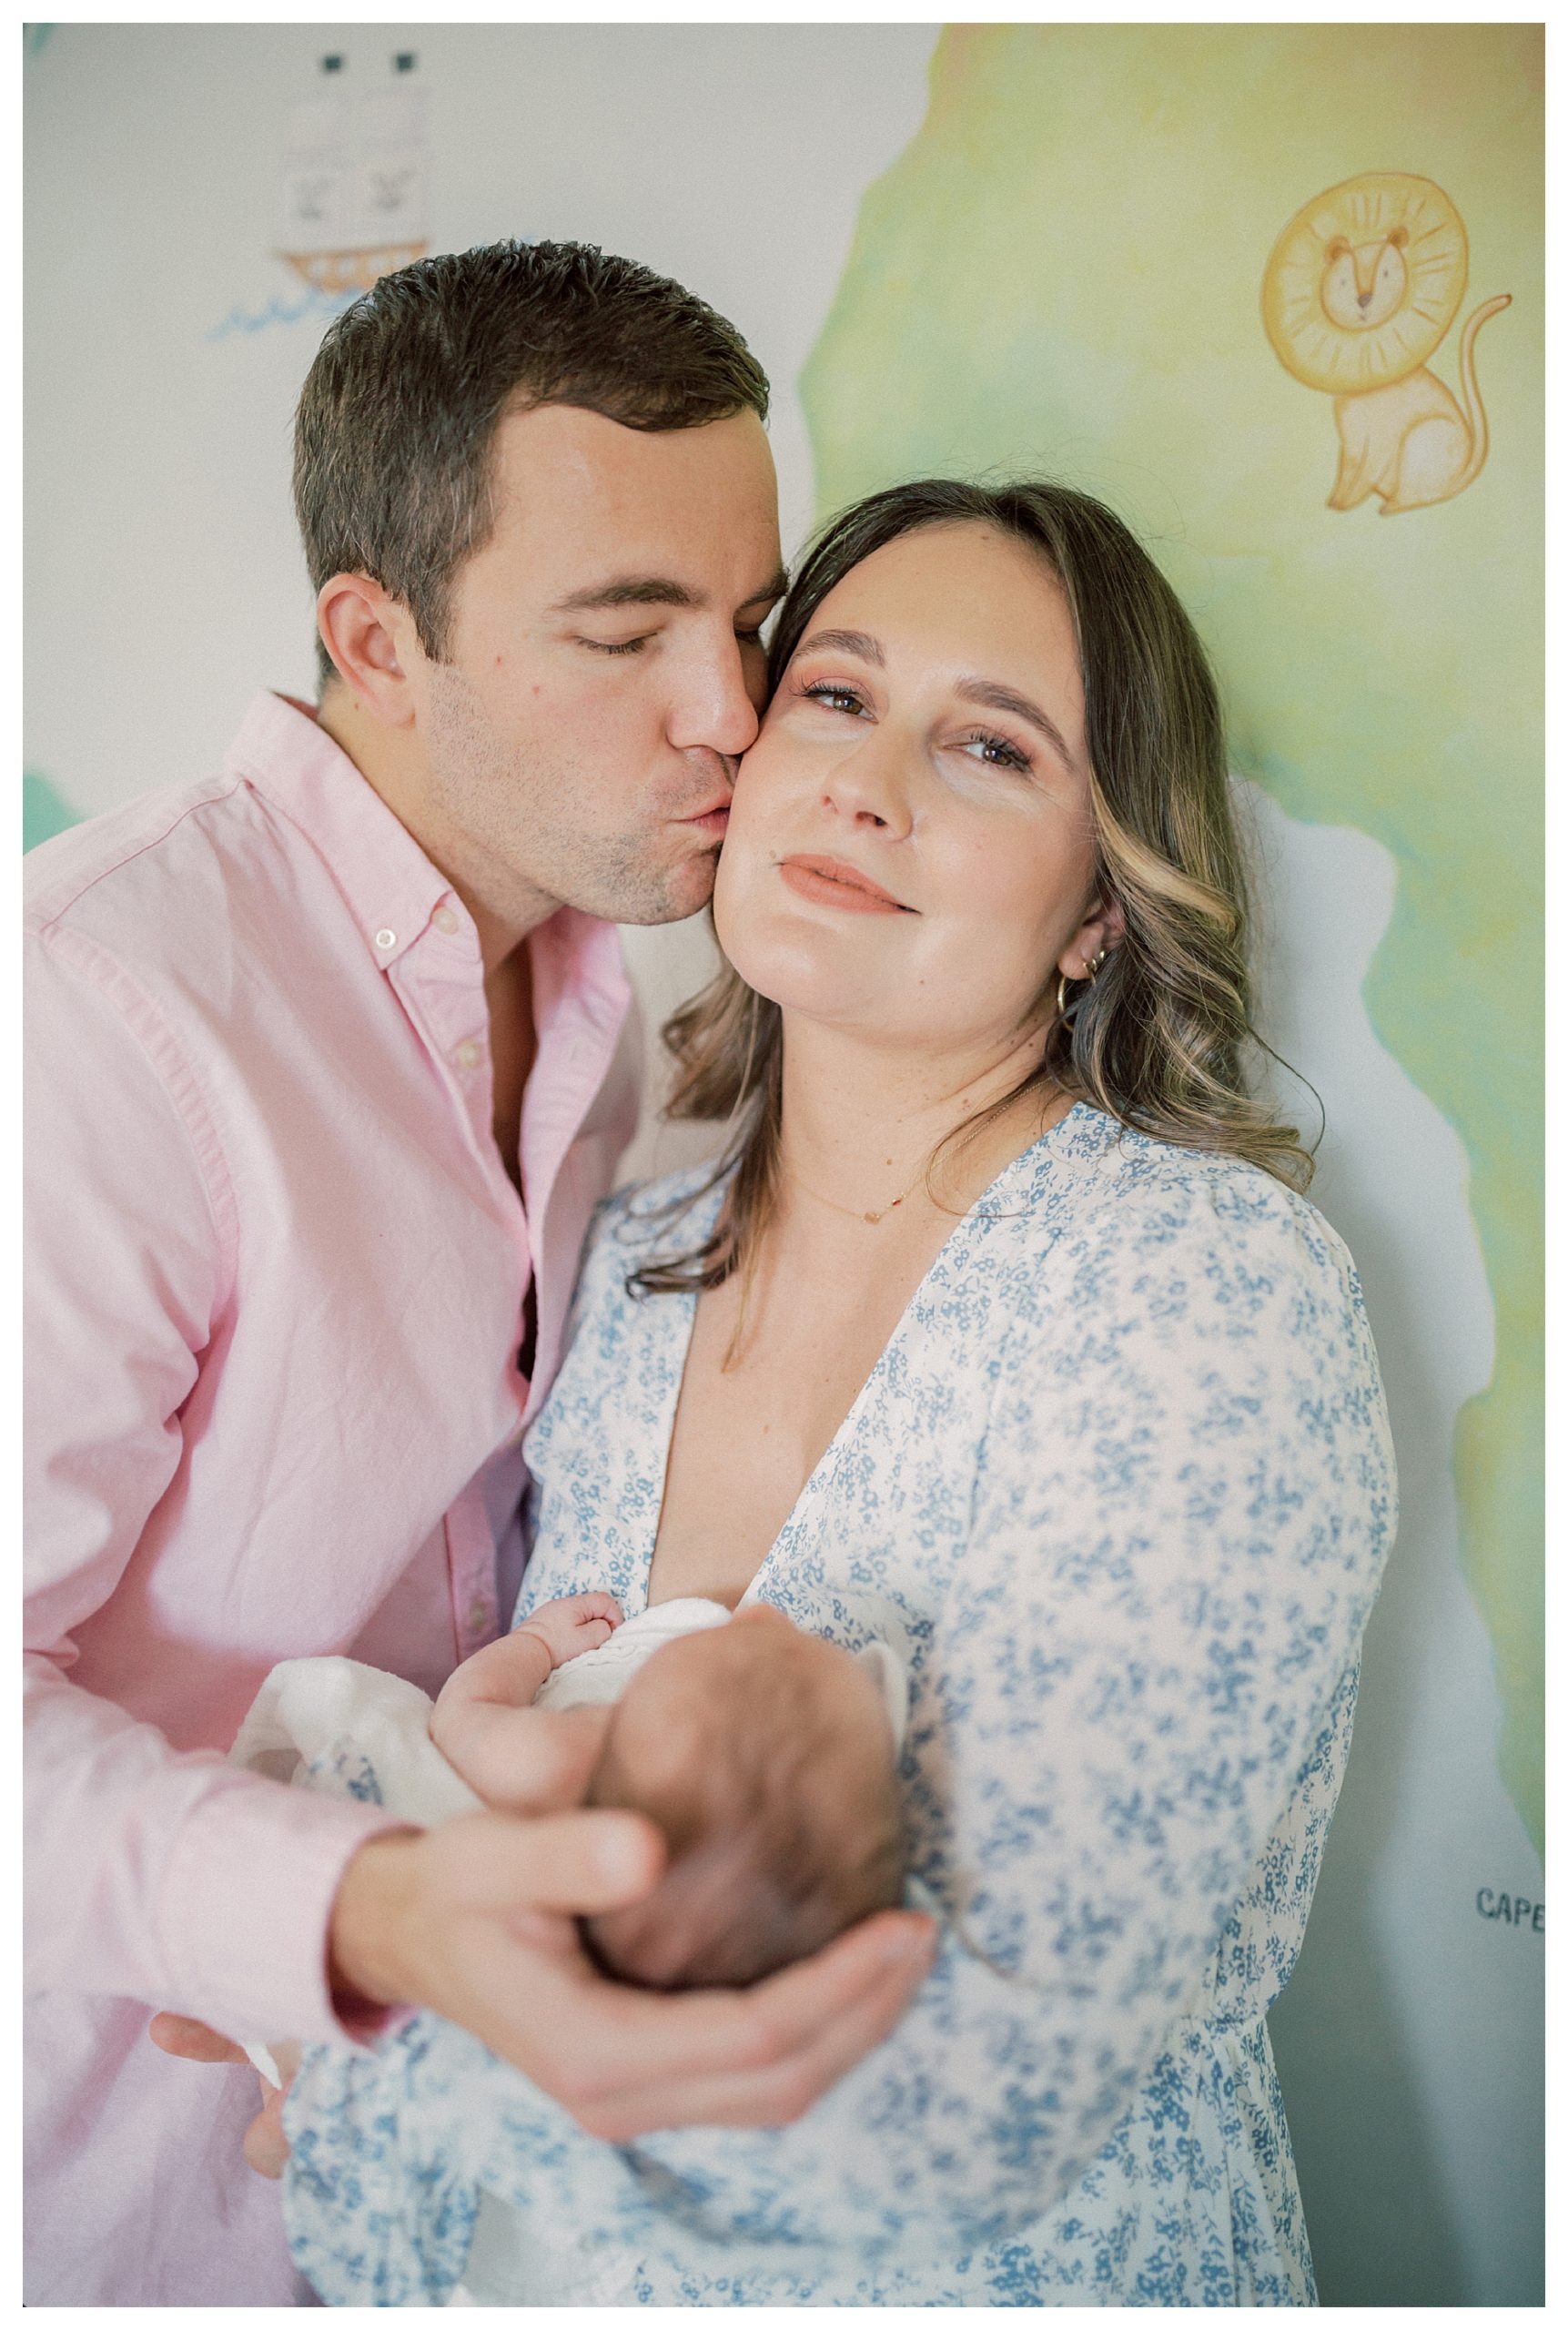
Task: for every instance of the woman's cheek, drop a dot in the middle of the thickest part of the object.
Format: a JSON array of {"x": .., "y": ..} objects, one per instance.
[
  {"x": 1006, "y": 904},
  {"x": 727, "y": 882}
]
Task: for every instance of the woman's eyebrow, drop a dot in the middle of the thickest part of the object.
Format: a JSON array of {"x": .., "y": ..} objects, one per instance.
[
  {"x": 859, "y": 643},
  {"x": 997, "y": 698}
]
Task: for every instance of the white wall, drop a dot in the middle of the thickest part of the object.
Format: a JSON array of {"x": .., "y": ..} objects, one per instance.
[
  {"x": 165, "y": 585},
  {"x": 165, "y": 581},
  {"x": 1408, "y": 2041}
]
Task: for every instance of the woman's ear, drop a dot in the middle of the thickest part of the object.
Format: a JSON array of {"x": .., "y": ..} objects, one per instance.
[
  {"x": 371, "y": 637},
  {"x": 1102, "y": 931}
]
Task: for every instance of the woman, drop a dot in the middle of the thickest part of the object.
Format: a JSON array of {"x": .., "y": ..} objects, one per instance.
[{"x": 1002, "y": 1312}]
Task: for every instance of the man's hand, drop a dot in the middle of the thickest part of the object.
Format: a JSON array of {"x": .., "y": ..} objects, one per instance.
[
  {"x": 266, "y": 2145},
  {"x": 475, "y": 1920}
]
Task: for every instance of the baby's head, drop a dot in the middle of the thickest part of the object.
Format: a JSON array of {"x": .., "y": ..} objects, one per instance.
[{"x": 768, "y": 1759}]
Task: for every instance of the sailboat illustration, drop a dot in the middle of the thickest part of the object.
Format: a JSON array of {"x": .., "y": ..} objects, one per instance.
[{"x": 356, "y": 186}]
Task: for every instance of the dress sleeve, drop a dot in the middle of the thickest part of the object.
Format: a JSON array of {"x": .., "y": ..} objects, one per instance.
[
  {"x": 172, "y": 1877},
  {"x": 1182, "y": 1508}
]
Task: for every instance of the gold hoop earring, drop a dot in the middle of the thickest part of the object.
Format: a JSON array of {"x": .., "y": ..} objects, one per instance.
[{"x": 1089, "y": 975}]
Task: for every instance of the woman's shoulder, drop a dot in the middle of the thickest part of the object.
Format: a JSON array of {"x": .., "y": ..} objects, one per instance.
[
  {"x": 1090, "y": 1164},
  {"x": 1193, "y": 1282},
  {"x": 1096, "y": 1188}
]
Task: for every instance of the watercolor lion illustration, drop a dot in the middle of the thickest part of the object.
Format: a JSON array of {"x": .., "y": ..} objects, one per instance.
[{"x": 1360, "y": 288}]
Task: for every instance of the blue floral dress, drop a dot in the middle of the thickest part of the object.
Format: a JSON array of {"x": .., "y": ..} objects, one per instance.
[{"x": 1120, "y": 1488}]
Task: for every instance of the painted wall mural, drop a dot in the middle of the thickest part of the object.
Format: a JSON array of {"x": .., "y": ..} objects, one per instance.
[
  {"x": 1016, "y": 301},
  {"x": 354, "y": 187},
  {"x": 45, "y": 812},
  {"x": 1359, "y": 290},
  {"x": 356, "y": 181}
]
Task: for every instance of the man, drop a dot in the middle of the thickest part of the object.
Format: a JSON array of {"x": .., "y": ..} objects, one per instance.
[{"x": 327, "y": 1072}]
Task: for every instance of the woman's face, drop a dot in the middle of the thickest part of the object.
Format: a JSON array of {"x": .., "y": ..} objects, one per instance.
[{"x": 910, "y": 849}]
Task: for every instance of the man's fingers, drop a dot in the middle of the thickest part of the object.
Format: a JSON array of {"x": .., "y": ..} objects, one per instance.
[
  {"x": 572, "y": 1863},
  {"x": 196, "y": 2043},
  {"x": 774, "y": 2099},
  {"x": 896, "y": 1946},
  {"x": 597, "y": 2044},
  {"x": 265, "y": 2146},
  {"x": 774, "y": 2091}
]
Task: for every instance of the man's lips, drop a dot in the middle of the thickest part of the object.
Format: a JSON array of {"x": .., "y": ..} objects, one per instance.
[
  {"x": 830, "y": 882},
  {"x": 710, "y": 822}
]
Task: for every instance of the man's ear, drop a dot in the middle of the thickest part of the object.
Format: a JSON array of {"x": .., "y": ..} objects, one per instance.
[{"x": 371, "y": 637}]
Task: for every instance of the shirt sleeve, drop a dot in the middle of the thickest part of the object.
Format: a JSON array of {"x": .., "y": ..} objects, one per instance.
[
  {"x": 1184, "y": 1502},
  {"x": 156, "y": 1875}
]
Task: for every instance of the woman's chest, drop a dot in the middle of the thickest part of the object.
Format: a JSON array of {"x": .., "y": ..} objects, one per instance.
[
  {"x": 751, "y": 1428},
  {"x": 862, "y": 1486}
]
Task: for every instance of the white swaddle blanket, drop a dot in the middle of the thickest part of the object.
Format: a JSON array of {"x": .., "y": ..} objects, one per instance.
[{"x": 347, "y": 1729}]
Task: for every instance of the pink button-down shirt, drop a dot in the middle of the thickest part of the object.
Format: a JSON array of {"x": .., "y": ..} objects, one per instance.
[{"x": 275, "y": 1280}]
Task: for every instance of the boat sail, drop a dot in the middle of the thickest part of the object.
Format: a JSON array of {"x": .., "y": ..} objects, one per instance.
[{"x": 355, "y": 186}]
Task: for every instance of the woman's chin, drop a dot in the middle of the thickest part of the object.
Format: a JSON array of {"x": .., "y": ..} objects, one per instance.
[{"x": 796, "y": 978}]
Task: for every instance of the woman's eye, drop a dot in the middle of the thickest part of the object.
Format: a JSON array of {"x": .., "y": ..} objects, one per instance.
[
  {"x": 995, "y": 751},
  {"x": 835, "y": 698}
]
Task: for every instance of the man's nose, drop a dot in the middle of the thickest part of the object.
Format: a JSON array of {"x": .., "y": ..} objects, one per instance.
[{"x": 718, "y": 703}]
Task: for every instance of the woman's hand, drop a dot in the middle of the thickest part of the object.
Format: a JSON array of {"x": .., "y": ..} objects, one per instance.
[{"x": 476, "y": 1921}]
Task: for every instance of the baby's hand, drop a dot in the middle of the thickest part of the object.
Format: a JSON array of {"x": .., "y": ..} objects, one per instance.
[{"x": 576, "y": 1622}]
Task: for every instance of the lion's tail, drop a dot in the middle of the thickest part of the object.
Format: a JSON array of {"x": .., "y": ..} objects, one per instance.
[{"x": 1475, "y": 410}]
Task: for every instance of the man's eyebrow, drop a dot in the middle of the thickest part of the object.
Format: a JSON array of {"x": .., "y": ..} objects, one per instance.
[
  {"x": 997, "y": 698},
  {"x": 774, "y": 589},
  {"x": 629, "y": 591},
  {"x": 859, "y": 643},
  {"x": 656, "y": 591}
]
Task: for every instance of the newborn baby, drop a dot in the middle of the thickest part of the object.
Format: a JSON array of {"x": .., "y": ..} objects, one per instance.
[{"x": 766, "y": 1756}]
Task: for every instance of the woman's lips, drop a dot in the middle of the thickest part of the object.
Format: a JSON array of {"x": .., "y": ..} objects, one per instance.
[{"x": 833, "y": 883}]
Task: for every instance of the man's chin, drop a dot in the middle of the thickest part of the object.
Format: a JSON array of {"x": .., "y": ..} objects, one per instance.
[{"x": 682, "y": 891}]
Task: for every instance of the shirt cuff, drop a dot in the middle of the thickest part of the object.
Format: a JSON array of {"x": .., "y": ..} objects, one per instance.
[{"x": 243, "y": 1907}]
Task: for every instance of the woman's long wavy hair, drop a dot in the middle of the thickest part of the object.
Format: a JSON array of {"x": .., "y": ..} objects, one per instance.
[{"x": 1159, "y": 1038}]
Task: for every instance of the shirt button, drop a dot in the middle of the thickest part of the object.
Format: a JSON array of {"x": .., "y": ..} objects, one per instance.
[
  {"x": 445, "y": 920},
  {"x": 478, "y": 1613},
  {"x": 385, "y": 938},
  {"x": 467, "y": 1054}
]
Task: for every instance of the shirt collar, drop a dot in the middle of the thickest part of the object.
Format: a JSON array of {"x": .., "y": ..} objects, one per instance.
[{"x": 390, "y": 886}]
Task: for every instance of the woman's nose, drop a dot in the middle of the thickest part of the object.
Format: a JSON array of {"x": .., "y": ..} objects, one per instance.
[{"x": 869, "y": 787}]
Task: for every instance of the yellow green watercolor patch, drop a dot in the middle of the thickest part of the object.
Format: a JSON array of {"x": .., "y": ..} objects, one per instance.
[{"x": 1064, "y": 273}]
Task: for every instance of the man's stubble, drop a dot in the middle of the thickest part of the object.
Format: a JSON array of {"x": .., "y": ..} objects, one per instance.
[{"x": 513, "y": 827}]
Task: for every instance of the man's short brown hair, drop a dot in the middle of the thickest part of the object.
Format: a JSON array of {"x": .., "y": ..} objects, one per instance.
[{"x": 399, "y": 411}]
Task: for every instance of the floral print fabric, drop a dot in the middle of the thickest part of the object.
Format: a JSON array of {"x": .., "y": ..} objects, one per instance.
[{"x": 1119, "y": 1490}]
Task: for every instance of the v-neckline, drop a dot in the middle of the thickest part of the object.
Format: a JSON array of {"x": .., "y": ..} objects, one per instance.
[{"x": 701, "y": 1220}]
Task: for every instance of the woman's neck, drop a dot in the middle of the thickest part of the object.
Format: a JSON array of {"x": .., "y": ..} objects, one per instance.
[{"x": 860, "y": 1124}]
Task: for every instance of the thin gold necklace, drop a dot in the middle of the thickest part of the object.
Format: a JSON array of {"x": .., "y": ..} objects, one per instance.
[{"x": 851, "y": 1213}]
